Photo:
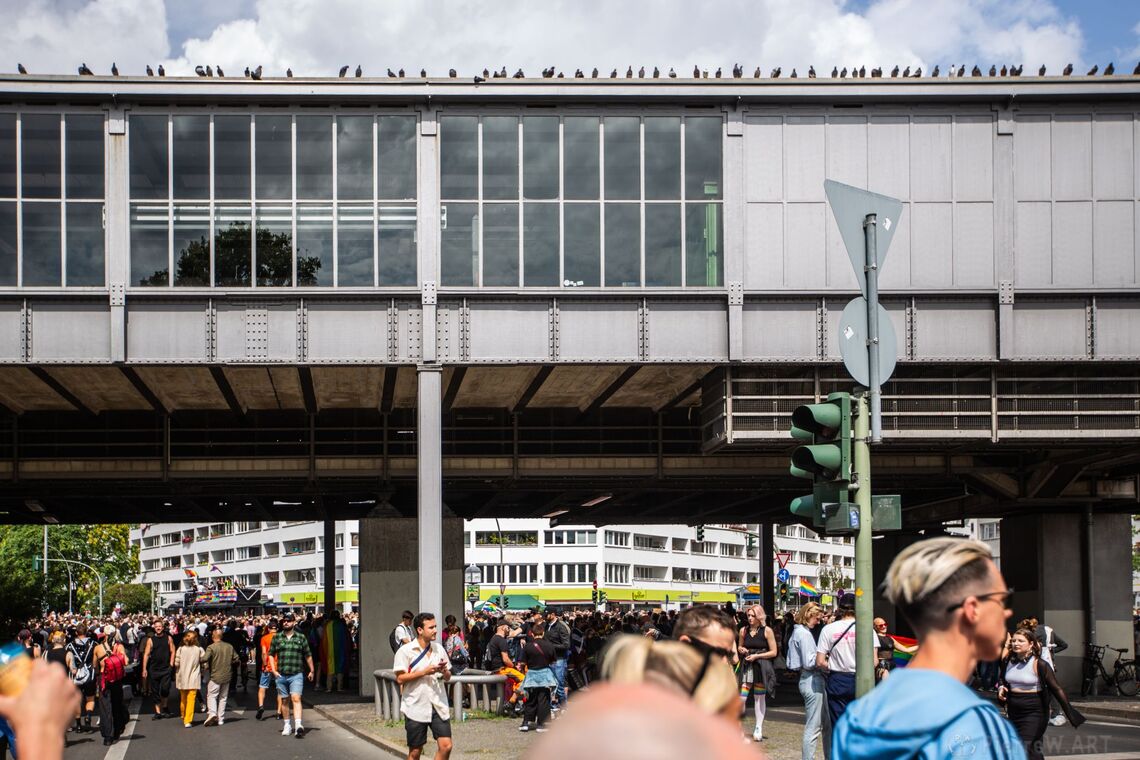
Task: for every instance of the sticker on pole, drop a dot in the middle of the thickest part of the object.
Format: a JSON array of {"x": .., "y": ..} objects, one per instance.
[
  {"x": 850, "y": 206},
  {"x": 853, "y": 342}
]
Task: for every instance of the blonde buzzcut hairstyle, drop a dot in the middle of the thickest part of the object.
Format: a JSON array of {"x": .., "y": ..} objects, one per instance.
[
  {"x": 805, "y": 612},
  {"x": 673, "y": 664},
  {"x": 929, "y": 576}
]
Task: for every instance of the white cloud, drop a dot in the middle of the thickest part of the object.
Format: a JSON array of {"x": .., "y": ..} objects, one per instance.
[
  {"x": 316, "y": 37},
  {"x": 52, "y": 38}
]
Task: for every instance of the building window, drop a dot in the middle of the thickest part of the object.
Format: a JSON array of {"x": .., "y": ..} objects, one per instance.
[
  {"x": 578, "y": 572},
  {"x": 272, "y": 578},
  {"x": 703, "y": 547},
  {"x": 617, "y": 538},
  {"x": 991, "y": 531},
  {"x": 617, "y": 573},
  {"x": 249, "y": 552},
  {"x": 338, "y": 543},
  {"x": 172, "y": 586},
  {"x": 509, "y": 573},
  {"x": 354, "y": 539},
  {"x": 223, "y": 555},
  {"x": 306, "y": 575},
  {"x": 702, "y": 575},
  {"x": 355, "y": 575},
  {"x": 506, "y": 538},
  {"x": 570, "y": 537},
  {"x": 268, "y": 208},
  {"x": 662, "y": 175},
  {"x": 246, "y": 527},
  {"x": 649, "y": 543},
  {"x": 301, "y": 546},
  {"x": 647, "y": 573}
]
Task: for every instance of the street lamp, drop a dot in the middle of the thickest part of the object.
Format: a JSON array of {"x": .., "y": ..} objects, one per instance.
[{"x": 473, "y": 578}]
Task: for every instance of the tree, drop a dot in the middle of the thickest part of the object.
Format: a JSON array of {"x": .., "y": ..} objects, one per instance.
[
  {"x": 831, "y": 578},
  {"x": 232, "y": 252},
  {"x": 134, "y": 597},
  {"x": 24, "y": 590}
]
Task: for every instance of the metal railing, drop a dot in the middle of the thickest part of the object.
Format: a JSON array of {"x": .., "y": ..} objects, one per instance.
[{"x": 480, "y": 686}]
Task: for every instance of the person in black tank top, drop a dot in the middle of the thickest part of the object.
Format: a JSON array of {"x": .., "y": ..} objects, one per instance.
[
  {"x": 756, "y": 645},
  {"x": 157, "y": 667}
]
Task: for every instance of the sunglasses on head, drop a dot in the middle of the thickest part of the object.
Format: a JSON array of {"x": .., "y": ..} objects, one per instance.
[{"x": 708, "y": 649}]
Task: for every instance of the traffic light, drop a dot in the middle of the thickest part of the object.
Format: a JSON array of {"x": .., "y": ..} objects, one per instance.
[
  {"x": 506, "y": 602},
  {"x": 783, "y": 592},
  {"x": 603, "y": 597},
  {"x": 751, "y": 542},
  {"x": 824, "y": 458},
  {"x": 36, "y": 564},
  {"x": 700, "y": 533},
  {"x": 594, "y": 596}
]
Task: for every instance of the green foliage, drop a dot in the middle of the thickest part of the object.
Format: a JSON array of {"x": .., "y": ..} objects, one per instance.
[
  {"x": 134, "y": 597},
  {"x": 1135, "y": 545},
  {"x": 24, "y": 591},
  {"x": 232, "y": 253}
]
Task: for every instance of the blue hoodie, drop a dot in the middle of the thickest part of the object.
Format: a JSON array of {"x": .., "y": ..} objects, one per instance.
[{"x": 927, "y": 715}]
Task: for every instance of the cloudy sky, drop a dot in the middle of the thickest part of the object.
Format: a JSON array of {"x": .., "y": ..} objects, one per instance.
[{"x": 316, "y": 37}]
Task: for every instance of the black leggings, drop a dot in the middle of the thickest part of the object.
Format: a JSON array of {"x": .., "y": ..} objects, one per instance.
[
  {"x": 1030, "y": 720},
  {"x": 537, "y": 707}
]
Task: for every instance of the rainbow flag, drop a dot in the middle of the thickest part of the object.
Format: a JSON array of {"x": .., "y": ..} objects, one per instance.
[
  {"x": 806, "y": 589},
  {"x": 904, "y": 650},
  {"x": 189, "y": 573},
  {"x": 334, "y": 646}
]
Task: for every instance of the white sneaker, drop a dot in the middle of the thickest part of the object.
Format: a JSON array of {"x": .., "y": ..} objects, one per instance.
[
  {"x": 221, "y": 721},
  {"x": 1057, "y": 720},
  {"x": 757, "y": 735},
  {"x": 287, "y": 729}
]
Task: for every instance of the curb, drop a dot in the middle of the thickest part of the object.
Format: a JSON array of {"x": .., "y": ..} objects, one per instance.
[
  {"x": 388, "y": 747},
  {"x": 1130, "y": 717}
]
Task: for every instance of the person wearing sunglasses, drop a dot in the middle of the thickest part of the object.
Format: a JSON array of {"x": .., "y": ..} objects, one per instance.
[
  {"x": 709, "y": 629},
  {"x": 952, "y": 594}
]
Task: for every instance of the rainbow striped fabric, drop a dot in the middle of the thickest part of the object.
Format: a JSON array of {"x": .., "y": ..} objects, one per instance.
[
  {"x": 806, "y": 589},
  {"x": 904, "y": 650}
]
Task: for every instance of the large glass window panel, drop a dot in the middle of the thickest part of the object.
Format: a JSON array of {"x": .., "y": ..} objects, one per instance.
[
  {"x": 150, "y": 244},
  {"x": 396, "y": 157},
  {"x": 192, "y": 245},
  {"x": 40, "y": 153},
  {"x": 501, "y": 244},
  {"x": 191, "y": 156},
  {"x": 623, "y": 157},
  {"x": 500, "y": 157},
  {"x": 459, "y": 244},
  {"x": 662, "y": 158},
  {"x": 8, "y": 155},
  {"x": 231, "y": 157},
  {"x": 663, "y": 244},
  {"x": 704, "y": 252},
  {"x": 581, "y": 160},
  {"x": 355, "y": 245},
  {"x": 42, "y": 244},
  {"x": 397, "y": 231},
  {"x": 540, "y": 157},
  {"x": 703, "y": 157},
  {"x": 315, "y": 244},
  {"x": 273, "y": 157},
  {"x": 354, "y": 157},
  {"x": 314, "y": 157},
  {"x": 623, "y": 244},
  {"x": 84, "y": 156},
  {"x": 85, "y": 246},
  {"x": 8, "y": 243},
  {"x": 148, "y": 156},
  {"x": 540, "y": 244},
  {"x": 233, "y": 246},
  {"x": 458, "y": 157},
  {"x": 274, "y": 244},
  {"x": 583, "y": 247}
]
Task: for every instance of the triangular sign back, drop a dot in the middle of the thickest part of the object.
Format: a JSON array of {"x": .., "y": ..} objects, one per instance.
[{"x": 850, "y": 206}]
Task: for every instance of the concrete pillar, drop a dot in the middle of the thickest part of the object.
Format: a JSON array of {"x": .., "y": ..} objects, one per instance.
[
  {"x": 767, "y": 573},
  {"x": 330, "y": 565},
  {"x": 1044, "y": 560},
  {"x": 429, "y": 460},
  {"x": 389, "y": 584}
]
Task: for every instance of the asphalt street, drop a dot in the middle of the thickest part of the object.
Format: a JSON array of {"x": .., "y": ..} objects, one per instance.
[{"x": 241, "y": 736}]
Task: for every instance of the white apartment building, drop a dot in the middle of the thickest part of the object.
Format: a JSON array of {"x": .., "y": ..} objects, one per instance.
[
  {"x": 984, "y": 529},
  {"x": 284, "y": 559},
  {"x": 634, "y": 565}
]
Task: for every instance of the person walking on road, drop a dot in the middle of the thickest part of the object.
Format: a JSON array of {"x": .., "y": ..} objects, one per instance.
[
  {"x": 1027, "y": 681},
  {"x": 265, "y": 679},
  {"x": 290, "y": 653},
  {"x": 954, "y": 597},
  {"x": 756, "y": 644},
  {"x": 188, "y": 674},
  {"x": 81, "y": 666},
  {"x": 421, "y": 668},
  {"x": 835, "y": 655},
  {"x": 111, "y": 665},
  {"x": 158, "y": 667},
  {"x": 220, "y": 660},
  {"x": 801, "y": 657}
]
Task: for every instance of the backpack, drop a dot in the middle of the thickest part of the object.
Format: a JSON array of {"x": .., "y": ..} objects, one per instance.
[
  {"x": 83, "y": 673},
  {"x": 114, "y": 668},
  {"x": 393, "y": 639}
]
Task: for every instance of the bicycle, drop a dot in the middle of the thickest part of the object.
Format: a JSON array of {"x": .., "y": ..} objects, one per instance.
[{"x": 1123, "y": 679}]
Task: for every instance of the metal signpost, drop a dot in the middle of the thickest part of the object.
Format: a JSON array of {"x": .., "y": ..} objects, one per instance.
[{"x": 867, "y": 222}]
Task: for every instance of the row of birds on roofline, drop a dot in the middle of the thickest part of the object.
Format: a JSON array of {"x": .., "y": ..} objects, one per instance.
[{"x": 698, "y": 73}]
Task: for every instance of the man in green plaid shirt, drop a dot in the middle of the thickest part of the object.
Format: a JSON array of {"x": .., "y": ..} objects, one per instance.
[{"x": 289, "y": 653}]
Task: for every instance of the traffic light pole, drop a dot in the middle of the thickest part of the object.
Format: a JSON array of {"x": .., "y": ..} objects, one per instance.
[
  {"x": 864, "y": 570},
  {"x": 870, "y": 233}
]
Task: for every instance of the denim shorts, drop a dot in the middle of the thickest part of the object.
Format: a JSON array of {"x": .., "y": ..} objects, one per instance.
[
  {"x": 293, "y": 684},
  {"x": 266, "y": 680}
]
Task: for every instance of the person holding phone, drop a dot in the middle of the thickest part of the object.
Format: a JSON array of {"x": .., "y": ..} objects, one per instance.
[{"x": 422, "y": 667}]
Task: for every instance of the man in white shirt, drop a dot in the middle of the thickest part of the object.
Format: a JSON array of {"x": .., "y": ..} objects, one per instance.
[
  {"x": 422, "y": 667},
  {"x": 835, "y": 655}
]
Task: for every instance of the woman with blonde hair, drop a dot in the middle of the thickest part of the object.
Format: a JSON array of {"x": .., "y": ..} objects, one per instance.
[
  {"x": 756, "y": 645},
  {"x": 188, "y": 674},
  {"x": 705, "y": 678},
  {"x": 801, "y": 657}
]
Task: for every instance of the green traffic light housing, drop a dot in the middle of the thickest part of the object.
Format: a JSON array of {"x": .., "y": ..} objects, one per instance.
[{"x": 825, "y": 456}]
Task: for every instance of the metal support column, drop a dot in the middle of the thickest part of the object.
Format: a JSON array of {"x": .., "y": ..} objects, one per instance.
[
  {"x": 330, "y": 565},
  {"x": 864, "y": 567},
  {"x": 1089, "y": 583},
  {"x": 767, "y": 577},
  {"x": 429, "y": 456}
]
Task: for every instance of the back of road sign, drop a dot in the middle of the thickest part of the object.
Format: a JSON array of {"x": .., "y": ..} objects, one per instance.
[
  {"x": 850, "y": 206},
  {"x": 853, "y": 342}
]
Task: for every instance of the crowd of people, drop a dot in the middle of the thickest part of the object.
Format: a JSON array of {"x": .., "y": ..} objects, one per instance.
[{"x": 720, "y": 660}]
